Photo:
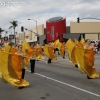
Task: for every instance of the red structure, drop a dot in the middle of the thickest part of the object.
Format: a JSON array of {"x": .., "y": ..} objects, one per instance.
[{"x": 55, "y": 27}]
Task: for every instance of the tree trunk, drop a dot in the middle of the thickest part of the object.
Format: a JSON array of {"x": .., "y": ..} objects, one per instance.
[
  {"x": 0, "y": 37},
  {"x": 15, "y": 35}
]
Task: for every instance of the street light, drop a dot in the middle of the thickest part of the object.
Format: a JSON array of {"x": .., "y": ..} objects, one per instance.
[
  {"x": 36, "y": 29},
  {"x": 36, "y": 24},
  {"x": 78, "y": 19}
]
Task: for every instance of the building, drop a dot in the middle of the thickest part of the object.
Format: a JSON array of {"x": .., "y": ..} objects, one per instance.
[
  {"x": 56, "y": 27},
  {"x": 30, "y": 35}
]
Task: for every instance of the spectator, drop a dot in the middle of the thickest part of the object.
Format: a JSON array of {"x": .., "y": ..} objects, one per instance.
[{"x": 98, "y": 47}]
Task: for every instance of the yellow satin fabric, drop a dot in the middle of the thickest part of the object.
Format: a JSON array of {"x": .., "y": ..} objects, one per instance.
[
  {"x": 13, "y": 71},
  {"x": 6, "y": 73},
  {"x": 49, "y": 51},
  {"x": 38, "y": 53},
  {"x": 46, "y": 51},
  {"x": 4, "y": 66},
  {"x": 76, "y": 41},
  {"x": 56, "y": 43},
  {"x": 85, "y": 61},
  {"x": 25, "y": 46},
  {"x": 62, "y": 50},
  {"x": 82, "y": 41},
  {"x": 29, "y": 54},
  {"x": 71, "y": 51},
  {"x": 16, "y": 64}
]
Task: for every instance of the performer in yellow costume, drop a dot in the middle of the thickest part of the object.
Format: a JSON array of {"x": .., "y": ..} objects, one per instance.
[
  {"x": 49, "y": 52},
  {"x": 38, "y": 52},
  {"x": 85, "y": 60},
  {"x": 21, "y": 56}
]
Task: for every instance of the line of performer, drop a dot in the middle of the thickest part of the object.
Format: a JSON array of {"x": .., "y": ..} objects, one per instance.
[{"x": 14, "y": 59}]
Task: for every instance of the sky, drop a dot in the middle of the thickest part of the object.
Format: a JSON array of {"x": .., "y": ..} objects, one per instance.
[{"x": 42, "y": 10}]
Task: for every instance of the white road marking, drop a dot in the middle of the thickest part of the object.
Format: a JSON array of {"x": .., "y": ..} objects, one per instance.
[{"x": 72, "y": 86}]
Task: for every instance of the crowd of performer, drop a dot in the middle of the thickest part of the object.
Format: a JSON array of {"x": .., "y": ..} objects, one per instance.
[{"x": 14, "y": 59}]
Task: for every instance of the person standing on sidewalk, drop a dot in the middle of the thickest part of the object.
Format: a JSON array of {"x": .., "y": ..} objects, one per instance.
[{"x": 98, "y": 46}]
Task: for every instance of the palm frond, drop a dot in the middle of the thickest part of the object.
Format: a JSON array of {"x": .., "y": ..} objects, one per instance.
[
  {"x": 14, "y": 23},
  {"x": 10, "y": 27},
  {"x": 1, "y": 30}
]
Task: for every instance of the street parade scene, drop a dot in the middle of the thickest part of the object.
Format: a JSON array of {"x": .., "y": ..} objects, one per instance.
[{"x": 51, "y": 60}]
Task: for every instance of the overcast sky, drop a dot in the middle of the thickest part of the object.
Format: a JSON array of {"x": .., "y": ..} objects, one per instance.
[{"x": 42, "y": 10}]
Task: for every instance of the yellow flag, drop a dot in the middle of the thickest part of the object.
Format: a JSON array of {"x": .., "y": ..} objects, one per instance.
[
  {"x": 61, "y": 48},
  {"x": 56, "y": 43},
  {"x": 70, "y": 49},
  {"x": 76, "y": 41},
  {"x": 15, "y": 61},
  {"x": 46, "y": 51},
  {"x": 49, "y": 51},
  {"x": 28, "y": 51},
  {"x": 82, "y": 41},
  {"x": 38, "y": 53},
  {"x": 59, "y": 45},
  {"x": 25, "y": 46},
  {"x": 85, "y": 61},
  {"x": 29, "y": 54},
  {"x": 6, "y": 73}
]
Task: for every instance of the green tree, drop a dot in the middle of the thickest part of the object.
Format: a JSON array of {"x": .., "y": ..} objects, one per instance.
[{"x": 14, "y": 25}]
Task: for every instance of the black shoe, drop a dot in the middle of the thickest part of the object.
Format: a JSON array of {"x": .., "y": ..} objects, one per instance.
[
  {"x": 88, "y": 77},
  {"x": 76, "y": 66},
  {"x": 21, "y": 87},
  {"x": 33, "y": 72}
]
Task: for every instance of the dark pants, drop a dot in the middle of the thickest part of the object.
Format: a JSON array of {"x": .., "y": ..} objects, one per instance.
[
  {"x": 49, "y": 60},
  {"x": 76, "y": 65},
  {"x": 32, "y": 65},
  {"x": 23, "y": 73},
  {"x": 55, "y": 50},
  {"x": 64, "y": 55}
]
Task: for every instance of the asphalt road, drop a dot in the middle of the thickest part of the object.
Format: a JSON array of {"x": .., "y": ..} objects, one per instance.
[{"x": 57, "y": 81}]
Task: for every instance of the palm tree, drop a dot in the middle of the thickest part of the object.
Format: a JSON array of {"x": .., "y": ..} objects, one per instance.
[
  {"x": 13, "y": 25},
  {"x": 1, "y": 30}
]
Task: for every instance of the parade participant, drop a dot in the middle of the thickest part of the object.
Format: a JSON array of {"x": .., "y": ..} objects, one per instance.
[
  {"x": 62, "y": 50},
  {"x": 51, "y": 52},
  {"x": 85, "y": 60},
  {"x": 98, "y": 46},
  {"x": 21, "y": 54},
  {"x": 32, "y": 61},
  {"x": 2, "y": 48},
  {"x": 88, "y": 45},
  {"x": 38, "y": 54},
  {"x": 7, "y": 75},
  {"x": 49, "y": 60}
]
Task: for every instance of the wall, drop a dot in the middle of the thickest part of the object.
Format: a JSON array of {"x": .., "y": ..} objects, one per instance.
[
  {"x": 85, "y": 27},
  {"x": 91, "y": 36},
  {"x": 90, "y": 28},
  {"x": 30, "y": 36}
]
